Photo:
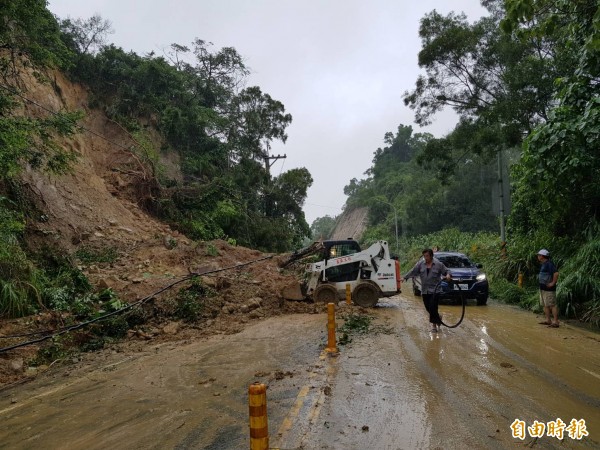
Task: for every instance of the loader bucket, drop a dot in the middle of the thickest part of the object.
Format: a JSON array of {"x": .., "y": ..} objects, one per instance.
[{"x": 293, "y": 291}]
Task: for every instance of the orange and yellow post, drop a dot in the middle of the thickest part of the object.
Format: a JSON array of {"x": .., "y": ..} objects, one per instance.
[
  {"x": 259, "y": 423},
  {"x": 520, "y": 280},
  {"x": 331, "y": 344},
  {"x": 348, "y": 294}
]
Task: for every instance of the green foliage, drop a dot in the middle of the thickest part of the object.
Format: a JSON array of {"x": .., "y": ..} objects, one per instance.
[
  {"x": 400, "y": 192},
  {"x": 356, "y": 323},
  {"x": 201, "y": 230},
  {"x": 592, "y": 313},
  {"x": 31, "y": 30},
  {"x": 481, "y": 73},
  {"x": 501, "y": 268},
  {"x": 579, "y": 281},
  {"x": 58, "y": 298},
  {"x": 353, "y": 324},
  {"x": 481, "y": 247},
  {"x": 257, "y": 119},
  {"x": 44, "y": 280},
  {"x": 19, "y": 282},
  {"x": 556, "y": 182},
  {"x": 12, "y": 223},
  {"x": 30, "y": 37},
  {"x": 30, "y": 141},
  {"x": 211, "y": 250},
  {"x": 190, "y": 301},
  {"x": 553, "y": 185},
  {"x": 322, "y": 227},
  {"x": 16, "y": 298},
  {"x": 83, "y": 306},
  {"x": 578, "y": 292},
  {"x": 113, "y": 327},
  {"x": 58, "y": 348},
  {"x": 222, "y": 134},
  {"x": 509, "y": 292},
  {"x": 93, "y": 255}
]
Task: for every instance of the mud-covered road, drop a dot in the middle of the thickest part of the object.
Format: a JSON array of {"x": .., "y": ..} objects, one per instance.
[{"x": 397, "y": 387}]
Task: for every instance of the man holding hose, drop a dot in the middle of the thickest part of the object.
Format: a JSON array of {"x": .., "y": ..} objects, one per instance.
[{"x": 430, "y": 270}]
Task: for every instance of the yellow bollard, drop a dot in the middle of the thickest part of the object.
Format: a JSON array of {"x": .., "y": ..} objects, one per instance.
[
  {"x": 259, "y": 423},
  {"x": 348, "y": 294},
  {"x": 331, "y": 344},
  {"x": 520, "y": 282}
]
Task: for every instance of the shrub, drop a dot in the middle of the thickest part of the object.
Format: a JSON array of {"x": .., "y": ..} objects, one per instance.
[
  {"x": 509, "y": 292},
  {"x": 91, "y": 255},
  {"x": 579, "y": 283},
  {"x": 190, "y": 302}
]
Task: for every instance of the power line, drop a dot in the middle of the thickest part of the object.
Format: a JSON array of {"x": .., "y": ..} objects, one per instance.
[{"x": 70, "y": 328}]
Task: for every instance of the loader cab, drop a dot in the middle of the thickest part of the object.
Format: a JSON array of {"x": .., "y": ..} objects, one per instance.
[{"x": 337, "y": 248}]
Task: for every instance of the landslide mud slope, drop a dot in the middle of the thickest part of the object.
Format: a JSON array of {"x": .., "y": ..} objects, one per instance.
[{"x": 98, "y": 206}]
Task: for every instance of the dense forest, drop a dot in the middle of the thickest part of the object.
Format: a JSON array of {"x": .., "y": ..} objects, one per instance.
[{"x": 523, "y": 80}]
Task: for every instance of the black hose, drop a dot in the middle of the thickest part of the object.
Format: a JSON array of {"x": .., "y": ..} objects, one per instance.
[{"x": 464, "y": 303}]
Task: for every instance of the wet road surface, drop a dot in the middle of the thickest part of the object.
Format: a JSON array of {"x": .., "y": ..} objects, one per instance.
[{"x": 396, "y": 387}]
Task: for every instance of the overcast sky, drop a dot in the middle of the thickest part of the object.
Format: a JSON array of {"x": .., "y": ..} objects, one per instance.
[{"x": 340, "y": 67}]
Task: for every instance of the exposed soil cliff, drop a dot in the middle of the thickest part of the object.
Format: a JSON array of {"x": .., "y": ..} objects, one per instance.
[
  {"x": 99, "y": 206},
  {"x": 351, "y": 224}
]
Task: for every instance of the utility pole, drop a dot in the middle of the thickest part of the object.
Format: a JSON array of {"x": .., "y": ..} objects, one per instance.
[
  {"x": 501, "y": 196},
  {"x": 268, "y": 164},
  {"x": 269, "y": 161}
]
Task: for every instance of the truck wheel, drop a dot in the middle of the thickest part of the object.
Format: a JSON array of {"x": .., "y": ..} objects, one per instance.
[
  {"x": 416, "y": 291},
  {"x": 365, "y": 295},
  {"x": 325, "y": 293},
  {"x": 482, "y": 300}
]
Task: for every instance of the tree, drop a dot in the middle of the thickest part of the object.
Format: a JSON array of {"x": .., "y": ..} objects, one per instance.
[
  {"x": 86, "y": 36},
  {"x": 556, "y": 179},
  {"x": 288, "y": 192},
  {"x": 322, "y": 227},
  {"x": 218, "y": 75},
  {"x": 413, "y": 191},
  {"x": 492, "y": 80},
  {"x": 30, "y": 30},
  {"x": 256, "y": 120}
]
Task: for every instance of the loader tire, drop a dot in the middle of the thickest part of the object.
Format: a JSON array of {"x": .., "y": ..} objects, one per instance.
[
  {"x": 365, "y": 294},
  {"x": 325, "y": 293}
]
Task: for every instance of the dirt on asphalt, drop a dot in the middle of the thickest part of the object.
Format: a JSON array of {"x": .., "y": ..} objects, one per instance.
[{"x": 397, "y": 386}]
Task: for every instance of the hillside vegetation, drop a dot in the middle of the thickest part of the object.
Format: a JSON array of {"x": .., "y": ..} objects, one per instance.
[
  {"x": 524, "y": 81},
  {"x": 177, "y": 137}
]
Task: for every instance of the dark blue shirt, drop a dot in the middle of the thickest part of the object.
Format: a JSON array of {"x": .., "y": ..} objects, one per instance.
[{"x": 547, "y": 272}]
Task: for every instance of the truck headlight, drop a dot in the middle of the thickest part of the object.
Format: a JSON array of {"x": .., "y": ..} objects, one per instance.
[{"x": 480, "y": 277}]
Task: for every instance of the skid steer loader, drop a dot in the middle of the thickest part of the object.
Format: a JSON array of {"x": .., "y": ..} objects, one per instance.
[{"x": 371, "y": 273}]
